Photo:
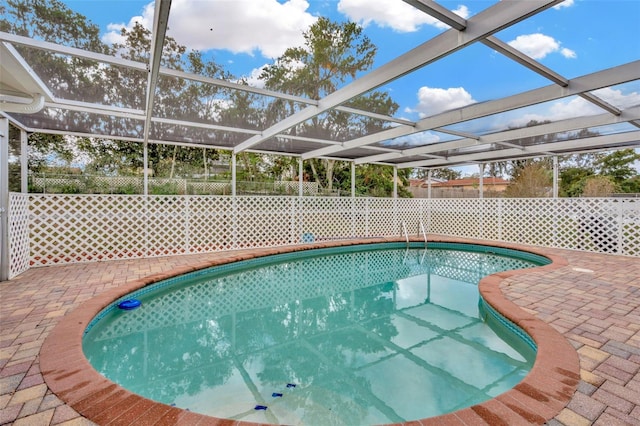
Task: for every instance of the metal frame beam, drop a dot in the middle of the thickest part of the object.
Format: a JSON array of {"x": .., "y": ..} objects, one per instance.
[
  {"x": 612, "y": 76},
  {"x": 160, "y": 22},
  {"x": 163, "y": 71},
  {"x": 486, "y": 23},
  {"x": 439, "y": 12},
  {"x": 609, "y": 141},
  {"x": 503, "y": 138}
]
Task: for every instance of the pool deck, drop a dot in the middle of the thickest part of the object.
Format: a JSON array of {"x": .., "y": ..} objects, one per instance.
[{"x": 593, "y": 300}]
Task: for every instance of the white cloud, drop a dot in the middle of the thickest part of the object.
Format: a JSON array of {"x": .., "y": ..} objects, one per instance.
[
  {"x": 253, "y": 79},
  {"x": 539, "y": 46},
  {"x": 568, "y": 53},
  {"x": 113, "y": 34},
  {"x": 414, "y": 139},
  {"x": 565, "y": 3},
  {"x": 266, "y": 27},
  {"x": 394, "y": 14},
  {"x": 535, "y": 45},
  {"x": 575, "y": 107},
  {"x": 617, "y": 98},
  {"x": 434, "y": 100}
]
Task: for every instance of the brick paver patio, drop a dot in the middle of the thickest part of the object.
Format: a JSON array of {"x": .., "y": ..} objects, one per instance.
[{"x": 594, "y": 301}]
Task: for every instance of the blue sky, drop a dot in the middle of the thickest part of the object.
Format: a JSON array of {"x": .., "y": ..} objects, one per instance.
[{"x": 574, "y": 38}]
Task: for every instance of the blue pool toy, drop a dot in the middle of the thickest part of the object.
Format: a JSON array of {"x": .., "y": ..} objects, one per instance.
[
  {"x": 128, "y": 305},
  {"x": 276, "y": 395},
  {"x": 261, "y": 407}
]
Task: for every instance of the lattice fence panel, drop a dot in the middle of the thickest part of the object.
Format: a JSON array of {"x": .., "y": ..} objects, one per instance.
[
  {"x": 263, "y": 221},
  {"x": 490, "y": 220},
  {"x": 325, "y": 218},
  {"x": 209, "y": 223},
  {"x": 459, "y": 217},
  {"x": 383, "y": 217},
  {"x": 630, "y": 227},
  {"x": 19, "y": 254},
  {"x": 360, "y": 211},
  {"x": 599, "y": 223},
  {"x": 210, "y": 187},
  {"x": 530, "y": 221},
  {"x": 410, "y": 211},
  {"x": 166, "y": 220},
  {"x": 80, "y": 228}
]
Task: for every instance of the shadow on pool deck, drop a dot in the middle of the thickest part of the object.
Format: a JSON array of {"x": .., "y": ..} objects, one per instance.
[{"x": 592, "y": 300}]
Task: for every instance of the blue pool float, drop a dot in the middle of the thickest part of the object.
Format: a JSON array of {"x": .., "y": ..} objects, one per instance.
[{"x": 128, "y": 305}]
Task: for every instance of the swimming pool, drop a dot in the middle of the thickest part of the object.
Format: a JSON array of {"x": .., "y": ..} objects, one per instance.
[{"x": 324, "y": 338}]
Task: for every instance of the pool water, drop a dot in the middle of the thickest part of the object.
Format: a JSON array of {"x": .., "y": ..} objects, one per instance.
[{"x": 363, "y": 335}]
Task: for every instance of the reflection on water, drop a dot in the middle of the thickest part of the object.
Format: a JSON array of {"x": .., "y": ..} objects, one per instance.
[{"x": 366, "y": 337}]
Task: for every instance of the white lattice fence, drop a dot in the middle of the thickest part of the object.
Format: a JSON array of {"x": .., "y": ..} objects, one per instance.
[
  {"x": 630, "y": 230},
  {"x": 18, "y": 234},
  {"x": 167, "y": 225},
  {"x": 383, "y": 217},
  {"x": 459, "y": 217},
  {"x": 81, "y": 228},
  {"x": 410, "y": 212},
  {"x": 209, "y": 222},
  {"x": 530, "y": 221},
  {"x": 264, "y": 221},
  {"x": 325, "y": 218},
  {"x": 210, "y": 187},
  {"x": 78, "y": 228},
  {"x": 607, "y": 225}
]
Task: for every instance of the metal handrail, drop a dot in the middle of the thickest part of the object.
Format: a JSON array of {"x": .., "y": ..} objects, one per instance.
[
  {"x": 423, "y": 233},
  {"x": 406, "y": 234}
]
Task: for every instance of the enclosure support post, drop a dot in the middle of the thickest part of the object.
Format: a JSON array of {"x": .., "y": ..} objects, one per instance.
[
  {"x": 4, "y": 199},
  {"x": 300, "y": 171},
  {"x": 395, "y": 182},
  {"x": 555, "y": 176},
  {"x": 24, "y": 162},
  {"x": 353, "y": 179},
  {"x": 145, "y": 168},
  {"x": 233, "y": 174},
  {"x": 429, "y": 174},
  {"x": 481, "y": 186},
  {"x": 353, "y": 200}
]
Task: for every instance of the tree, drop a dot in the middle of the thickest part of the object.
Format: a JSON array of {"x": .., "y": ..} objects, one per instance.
[
  {"x": 85, "y": 80},
  {"x": 572, "y": 181},
  {"x": 377, "y": 181},
  {"x": 533, "y": 180},
  {"x": 618, "y": 165},
  {"x": 333, "y": 54},
  {"x": 51, "y": 20},
  {"x": 602, "y": 174},
  {"x": 599, "y": 186},
  {"x": 444, "y": 173}
]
